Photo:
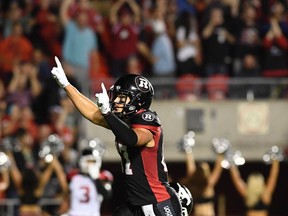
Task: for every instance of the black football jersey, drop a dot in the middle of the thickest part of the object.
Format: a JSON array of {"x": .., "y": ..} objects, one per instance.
[{"x": 144, "y": 168}]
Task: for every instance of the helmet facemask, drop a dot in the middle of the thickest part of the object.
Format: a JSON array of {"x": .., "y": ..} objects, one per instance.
[
  {"x": 91, "y": 164},
  {"x": 128, "y": 107}
]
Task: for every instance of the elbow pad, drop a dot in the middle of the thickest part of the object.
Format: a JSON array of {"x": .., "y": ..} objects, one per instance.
[{"x": 125, "y": 134}]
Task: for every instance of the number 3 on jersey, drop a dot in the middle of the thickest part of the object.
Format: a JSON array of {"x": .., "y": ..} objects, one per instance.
[{"x": 126, "y": 164}]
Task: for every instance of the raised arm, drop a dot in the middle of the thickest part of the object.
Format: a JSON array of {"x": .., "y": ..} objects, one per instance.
[
  {"x": 64, "y": 16},
  {"x": 58, "y": 169},
  {"x": 53, "y": 166},
  {"x": 237, "y": 180},
  {"x": 217, "y": 170},
  {"x": 272, "y": 178},
  {"x": 136, "y": 10},
  {"x": 36, "y": 87},
  {"x": 44, "y": 178},
  {"x": 190, "y": 163},
  {"x": 15, "y": 173},
  {"x": 114, "y": 10},
  {"x": 4, "y": 184},
  {"x": 86, "y": 107},
  {"x": 14, "y": 83}
]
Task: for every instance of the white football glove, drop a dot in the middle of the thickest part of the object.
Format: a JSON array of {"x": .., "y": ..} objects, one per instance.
[
  {"x": 102, "y": 100},
  {"x": 59, "y": 74}
]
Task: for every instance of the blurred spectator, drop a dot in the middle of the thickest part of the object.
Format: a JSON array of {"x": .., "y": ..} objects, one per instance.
[
  {"x": 67, "y": 126},
  {"x": 125, "y": 27},
  {"x": 163, "y": 59},
  {"x": 26, "y": 154},
  {"x": 250, "y": 66},
  {"x": 134, "y": 65},
  {"x": 171, "y": 12},
  {"x": 188, "y": 45},
  {"x": 14, "y": 49},
  {"x": 95, "y": 19},
  {"x": 10, "y": 120},
  {"x": 78, "y": 44},
  {"x": 68, "y": 157},
  {"x": 46, "y": 27},
  {"x": 248, "y": 40},
  {"x": 24, "y": 86},
  {"x": 256, "y": 193},
  {"x": 41, "y": 62},
  {"x": 14, "y": 14},
  {"x": 69, "y": 116},
  {"x": 44, "y": 130},
  {"x": 48, "y": 100},
  {"x": 54, "y": 114},
  {"x": 250, "y": 69},
  {"x": 217, "y": 44},
  {"x": 275, "y": 43},
  {"x": 187, "y": 6},
  {"x": 201, "y": 181},
  {"x": 27, "y": 121},
  {"x": 30, "y": 183},
  {"x": 98, "y": 68}
]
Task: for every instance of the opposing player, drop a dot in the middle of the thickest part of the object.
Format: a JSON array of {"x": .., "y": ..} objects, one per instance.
[
  {"x": 139, "y": 141},
  {"x": 89, "y": 187}
]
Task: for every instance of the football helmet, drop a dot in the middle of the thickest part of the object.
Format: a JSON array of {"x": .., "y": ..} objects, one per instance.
[
  {"x": 90, "y": 162},
  {"x": 185, "y": 197},
  {"x": 137, "y": 88}
]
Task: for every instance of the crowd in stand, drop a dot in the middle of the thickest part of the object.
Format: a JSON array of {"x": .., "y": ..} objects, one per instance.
[{"x": 156, "y": 38}]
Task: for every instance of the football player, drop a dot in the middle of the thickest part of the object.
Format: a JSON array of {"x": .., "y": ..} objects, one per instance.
[
  {"x": 89, "y": 186},
  {"x": 139, "y": 141}
]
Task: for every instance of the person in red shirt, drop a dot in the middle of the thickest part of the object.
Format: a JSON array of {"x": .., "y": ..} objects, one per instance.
[
  {"x": 15, "y": 48},
  {"x": 124, "y": 35},
  {"x": 46, "y": 27}
]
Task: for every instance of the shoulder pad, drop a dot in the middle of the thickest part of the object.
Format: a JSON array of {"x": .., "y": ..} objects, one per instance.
[{"x": 146, "y": 118}]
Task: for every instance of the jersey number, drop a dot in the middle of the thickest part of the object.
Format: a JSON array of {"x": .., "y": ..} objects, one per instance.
[{"x": 85, "y": 191}]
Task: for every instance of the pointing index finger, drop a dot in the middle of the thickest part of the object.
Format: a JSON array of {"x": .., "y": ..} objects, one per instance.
[
  {"x": 104, "y": 89},
  {"x": 58, "y": 62}
]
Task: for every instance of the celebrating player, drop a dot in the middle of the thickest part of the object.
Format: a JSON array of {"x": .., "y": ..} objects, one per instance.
[{"x": 139, "y": 141}]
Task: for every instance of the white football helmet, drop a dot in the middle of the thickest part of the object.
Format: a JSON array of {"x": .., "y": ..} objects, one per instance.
[{"x": 90, "y": 162}]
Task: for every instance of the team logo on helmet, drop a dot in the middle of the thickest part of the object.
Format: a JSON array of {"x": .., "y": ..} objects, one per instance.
[{"x": 142, "y": 83}]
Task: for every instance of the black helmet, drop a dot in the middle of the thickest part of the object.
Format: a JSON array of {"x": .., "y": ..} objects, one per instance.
[{"x": 137, "y": 88}]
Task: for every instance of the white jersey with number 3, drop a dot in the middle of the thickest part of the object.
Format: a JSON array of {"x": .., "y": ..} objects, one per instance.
[{"x": 84, "y": 198}]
